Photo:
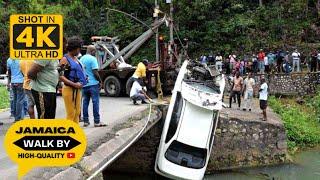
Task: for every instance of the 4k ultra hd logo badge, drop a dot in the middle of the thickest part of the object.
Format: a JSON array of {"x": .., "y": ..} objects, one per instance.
[
  {"x": 36, "y": 36},
  {"x": 44, "y": 143}
]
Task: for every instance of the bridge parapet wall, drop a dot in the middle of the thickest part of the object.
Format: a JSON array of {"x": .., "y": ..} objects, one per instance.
[{"x": 299, "y": 84}]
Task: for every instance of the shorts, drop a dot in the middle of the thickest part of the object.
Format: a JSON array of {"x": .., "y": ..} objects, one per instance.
[
  {"x": 30, "y": 98},
  {"x": 263, "y": 104}
]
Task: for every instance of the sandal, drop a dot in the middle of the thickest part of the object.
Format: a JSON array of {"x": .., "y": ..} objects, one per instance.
[{"x": 100, "y": 125}]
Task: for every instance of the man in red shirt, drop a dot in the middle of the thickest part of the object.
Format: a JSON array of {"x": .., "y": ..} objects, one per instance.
[{"x": 261, "y": 56}]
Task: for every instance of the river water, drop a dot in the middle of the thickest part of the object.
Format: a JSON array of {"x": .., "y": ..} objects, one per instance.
[{"x": 306, "y": 166}]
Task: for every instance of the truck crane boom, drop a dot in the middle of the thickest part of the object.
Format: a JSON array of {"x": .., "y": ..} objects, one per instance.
[
  {"x": 126, "y": 52},
  {"x": 114, "y": 71}
]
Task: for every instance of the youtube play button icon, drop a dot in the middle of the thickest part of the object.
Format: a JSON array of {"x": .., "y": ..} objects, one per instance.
[{"x": 71, "y": 155}]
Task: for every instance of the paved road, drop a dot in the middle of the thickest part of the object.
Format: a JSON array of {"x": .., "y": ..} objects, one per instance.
[{"x": 112, "y": 111}]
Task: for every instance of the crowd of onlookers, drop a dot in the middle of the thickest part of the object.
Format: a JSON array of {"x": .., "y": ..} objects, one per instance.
[
  {"x": 33, "y": 84},
  {"x": 240, "y": 71},
  {"x": 264, "y": 62}
]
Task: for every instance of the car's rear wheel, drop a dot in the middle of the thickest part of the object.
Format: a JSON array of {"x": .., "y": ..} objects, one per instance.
[{"x": 112, "y": 86}]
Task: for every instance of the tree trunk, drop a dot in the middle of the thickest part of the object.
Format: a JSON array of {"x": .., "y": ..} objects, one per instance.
[{"x": 260, "y": 3}]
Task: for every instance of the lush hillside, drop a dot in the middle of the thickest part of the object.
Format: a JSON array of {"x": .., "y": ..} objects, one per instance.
[{"x": 210, "y": 25}]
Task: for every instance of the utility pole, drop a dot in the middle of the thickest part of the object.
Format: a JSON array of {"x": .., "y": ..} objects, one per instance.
[
  {"x": 171, "y": 32},
  {"x": 157, "y": 32}
]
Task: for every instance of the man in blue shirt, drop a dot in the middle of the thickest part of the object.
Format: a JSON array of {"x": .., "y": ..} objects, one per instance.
[
  {"x": 92, "y": 88},
  {"x": 15, "y": 81}
]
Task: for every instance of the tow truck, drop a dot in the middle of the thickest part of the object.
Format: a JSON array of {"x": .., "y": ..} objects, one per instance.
[{"x": 115, "y": 72}]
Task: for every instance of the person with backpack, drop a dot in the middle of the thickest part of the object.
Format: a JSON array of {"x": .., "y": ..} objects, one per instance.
[{"x": 74, "y": 78}]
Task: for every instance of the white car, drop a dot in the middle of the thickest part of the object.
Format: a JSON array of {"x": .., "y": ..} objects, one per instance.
[
  {"x": 190, "y": 124},
  {"x": 3, "y": 79}
]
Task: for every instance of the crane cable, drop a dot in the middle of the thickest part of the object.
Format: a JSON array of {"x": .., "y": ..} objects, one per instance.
[
  {"x": 131, "y": 16},
  {"x": 175, "y": 30},
  {"x": 184, "y": 47},
  {"x": 146, "y": 25}
]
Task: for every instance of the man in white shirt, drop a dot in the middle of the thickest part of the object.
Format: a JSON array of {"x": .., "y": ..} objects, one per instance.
[
  {"x": 219, "y": 63},
  {"x": 295, "y": 60},
  {"x": 249, "y": 82},
  {"x": 137, "y": 93},
  {"x": 263, "y": 97}
]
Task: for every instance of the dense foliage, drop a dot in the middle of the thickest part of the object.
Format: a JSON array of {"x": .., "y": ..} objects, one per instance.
[
  {"x": 314, "y": 103},
  {"x": 300, "y": 121},
  {"x": 210, "y": 25}
]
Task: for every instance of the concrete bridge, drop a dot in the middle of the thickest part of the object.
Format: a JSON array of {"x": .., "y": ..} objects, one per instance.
[{"x": 242, "y": 140}]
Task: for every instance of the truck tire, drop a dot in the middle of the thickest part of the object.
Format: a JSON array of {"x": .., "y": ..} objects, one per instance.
[
  {"x": 112, "y": 86},
  {"x": 129, "y": 83}
]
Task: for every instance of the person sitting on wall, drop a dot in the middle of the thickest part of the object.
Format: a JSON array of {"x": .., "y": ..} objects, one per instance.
[{"x": 137, "y": 93}]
